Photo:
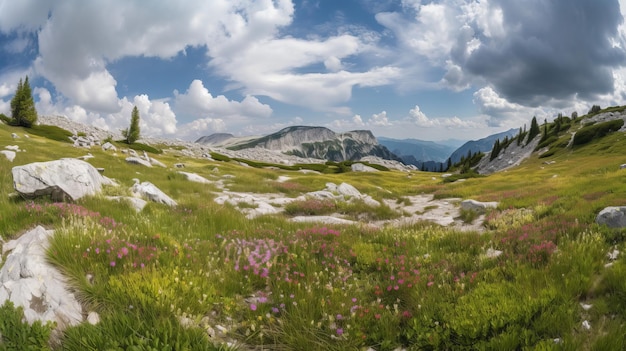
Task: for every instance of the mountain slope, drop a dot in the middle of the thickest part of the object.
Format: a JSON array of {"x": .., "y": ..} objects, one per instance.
[
  {"x": 481, "y": 145},
  {"x": 319, "y": 142}
]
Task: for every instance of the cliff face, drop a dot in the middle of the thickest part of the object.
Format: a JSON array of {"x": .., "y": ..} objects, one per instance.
[{"x": 321, "y": 143}]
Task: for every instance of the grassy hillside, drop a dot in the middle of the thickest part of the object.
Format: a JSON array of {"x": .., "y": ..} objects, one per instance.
[{"x": 203, "y": 277}]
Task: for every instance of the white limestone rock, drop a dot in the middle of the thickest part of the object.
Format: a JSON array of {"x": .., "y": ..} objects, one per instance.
[
  {"x": 195, "y": 178},
  {"x": 138, "y": 161},
  {"x": 29, "y": 281},
  {"x": 10, "y": 155},
  {"x": 136, "y": 203},
  {"x": 62, "y": 178},
  {"x": 149, "y": 191},
  {"x": 477, "y": 206}
]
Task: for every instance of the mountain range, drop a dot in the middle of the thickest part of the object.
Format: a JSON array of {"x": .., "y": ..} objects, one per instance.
[{"x": 312, "y": 142}]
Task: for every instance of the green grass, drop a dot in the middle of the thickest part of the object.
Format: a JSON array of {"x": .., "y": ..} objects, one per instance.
[{"x": 172, "y": 275}]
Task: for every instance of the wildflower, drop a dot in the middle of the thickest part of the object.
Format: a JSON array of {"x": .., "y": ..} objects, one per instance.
[
  {"x": 430, "y": 283},
  {"x": 339, "y": 331},
  {"x": 112, "y": 263},
  {"x": 339, "y": 317},
  {"x": 253, "y": 307}
]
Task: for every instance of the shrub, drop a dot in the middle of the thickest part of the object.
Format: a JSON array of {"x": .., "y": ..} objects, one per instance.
[
  {"x": 595, "y": 131},
  {"x": 4, "y": 118},
  {"x": 16, "y": 334}
]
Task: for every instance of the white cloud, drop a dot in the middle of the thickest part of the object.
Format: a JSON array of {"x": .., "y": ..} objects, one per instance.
[
  {"x": 379, "y": 119},
  {"x": 417, "y": 117},
  {"x": 200, "y": 103}
]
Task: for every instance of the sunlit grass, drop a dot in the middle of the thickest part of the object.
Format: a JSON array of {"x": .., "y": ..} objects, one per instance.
[{"x": 168, "y": 277}]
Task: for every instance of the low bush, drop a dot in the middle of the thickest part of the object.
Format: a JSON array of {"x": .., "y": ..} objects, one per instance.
[{"x": 598, "y": 130}]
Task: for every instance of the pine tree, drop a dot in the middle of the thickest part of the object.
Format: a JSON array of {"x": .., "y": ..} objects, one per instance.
[
  {"x": 496, "y": 150},
  {"x": 533, "y": 131},
  {"x": 23, "y": 112},
  {"x": 132, "y": 133}
]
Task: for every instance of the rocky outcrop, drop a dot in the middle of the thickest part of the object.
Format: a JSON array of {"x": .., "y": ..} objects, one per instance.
[
  {"x": 512, "y": 156},
  {"x": 150, "y": 192},
  {"x": 29, "y": 281},
  {"x": 477, "y": 206},
  {"x": 62, "y": 179},
  {"x": 10, "y": 155},
  {"x": 612, "y": 217},
  {"x": 195, "y": 178},
  {"x": 316, "y": 142}
]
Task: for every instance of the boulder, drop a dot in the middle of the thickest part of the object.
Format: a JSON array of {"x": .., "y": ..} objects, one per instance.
[
  {"x": 10, "y": 155},
  {"x": 477, "y": 206},
  {"x": 12, "y": 148},
  {"x": 359, "y": 167},
  {"x": 29, "y": 281},
  {"x": 157, "y": 162},
  {"x": 151, "y": 192},
  {"x": 195, "y": 178},
  {"x": 137, "y": 203},
  {"x": 138, "y": 161},
  {"x": 348, "y": 190},
  {"x": 108, "y": 146},
  {"x": 14, "y": 136},
  {"x": 179, "y": 165},
  {"x": 65, "y": 178},
  {"x": 612, "y": 217}
]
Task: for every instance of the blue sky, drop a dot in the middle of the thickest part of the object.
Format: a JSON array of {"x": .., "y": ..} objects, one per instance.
[{"x": 429, "y": 70}]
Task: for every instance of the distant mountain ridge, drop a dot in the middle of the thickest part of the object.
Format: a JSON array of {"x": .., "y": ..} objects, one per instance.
[
  {"x": 415, "y": 150},
  {"x": 306, "y": 141},
  {"x": 481, "y": 145}
]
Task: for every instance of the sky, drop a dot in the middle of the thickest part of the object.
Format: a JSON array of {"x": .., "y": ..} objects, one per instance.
[{"x": 428, "y": 70}]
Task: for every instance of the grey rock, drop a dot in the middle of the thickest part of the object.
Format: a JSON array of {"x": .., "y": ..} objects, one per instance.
[
  {"x": 138, "y": 161},
  {"x": 359, "y": 167},
  {"x": 12, "y": 147},
  {"x": 477, "y": 206},
  {"x": 108, "y": 146},
  {"x": 612, "y": 217},
  {"x": 10, "y": 155},
  {"x": 14, "y": 136},
  {"x": 149, "y": 191},
  {"x": 348, "y": 190},
  {"x": 195, "y": 178},
  {"x": 156, "y": 162},
  {"x": 137, "y": 203},
  {"x": 31, "y": 282},
  {"x": 64, "y": 178},
  {"x": 179, "y": 165}
]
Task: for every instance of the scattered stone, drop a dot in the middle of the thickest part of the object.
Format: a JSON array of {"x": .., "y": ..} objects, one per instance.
[
  {"x": 135, "y": 202},
  {"x": 86, "y": 157},
  {"x": 447, "y": 175},
  {"x": 156, "y": 162},
  {"x": 195, "y": 178},
  {"x": 61, "y": 179},
  {"x": 10, "y": 155},
  {"x": 613, "y": 255},
  {"x": 622, "y": 166},
  {"x": 348, "y": 190},
  {"x": 12, "y": 147},
  {"x": 612, "y": 217},
  {"x": 29, "y": 281},
  {"x": 138, "y": 161},
  {"x": 108, "y": 146},
  {"x": 14, "y": 136},
  {"x": 359, "y": 167},
  {"x": 585, "y": 306},
  {"x": 151, "y": 192},
  {"x": 93, "y": 318},
  {"x": 586, "y": 325},
  {"x": 179, "y": 165},
  {"x": 322, "y": 219},
  {"x": 491, "y": 253},
  {"x": 282, "y": 179},
  {"x": 477, "y": 206},
  {"x": 133, "y": 153}
]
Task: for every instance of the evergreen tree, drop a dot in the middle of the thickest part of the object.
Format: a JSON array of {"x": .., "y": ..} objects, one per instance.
[
  {"x": 449, "y": 164},
  {"x": 23, "y": 112},
  {"x": 534, "y": 130},
  {"x": 496, "y": 150},
  {"x": 132, "y": 134},
  {"x": 520, "y": 136}
]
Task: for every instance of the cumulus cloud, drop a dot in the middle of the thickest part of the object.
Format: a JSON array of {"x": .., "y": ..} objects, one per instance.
[
  {"x": 419, "y": 118},
  {"x": 531, "y": 53},
  {"x": 379, "y": 119},
  {"x": 199, "y": 102}
]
